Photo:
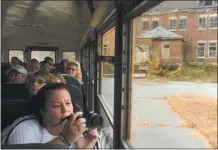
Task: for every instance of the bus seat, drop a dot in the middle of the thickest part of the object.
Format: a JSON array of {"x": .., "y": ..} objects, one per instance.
[
  {"x": 15, "y": 98},
  {"x": 11, "y": 110},
  {"x": 14, "y": 91},
  {"x": 76, "y": 96},
  {"x": 72, "y": 81},
  {"x": 33, "y": 146}
]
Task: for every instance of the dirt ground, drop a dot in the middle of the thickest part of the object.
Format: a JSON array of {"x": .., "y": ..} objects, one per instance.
[{"x": 198, "y": 112}]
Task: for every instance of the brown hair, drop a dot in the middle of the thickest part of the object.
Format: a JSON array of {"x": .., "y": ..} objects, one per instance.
[{"x": 58, "y": 75}]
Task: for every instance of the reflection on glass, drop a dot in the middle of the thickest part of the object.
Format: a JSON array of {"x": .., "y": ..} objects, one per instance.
[
  {"x": 40, "y": 55},
  {"x": 169, "y": 109},
  {"x": 16, "y": 53},
  {"x": 107, "y": 87}
]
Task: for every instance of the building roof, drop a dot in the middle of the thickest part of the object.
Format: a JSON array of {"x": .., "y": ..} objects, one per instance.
[
  {"x": 178, "y": 6},
  {"x": 160, "y": 33}
]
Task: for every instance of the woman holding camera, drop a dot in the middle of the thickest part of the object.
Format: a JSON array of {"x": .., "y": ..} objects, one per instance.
[{"x": 45, "y": 121}]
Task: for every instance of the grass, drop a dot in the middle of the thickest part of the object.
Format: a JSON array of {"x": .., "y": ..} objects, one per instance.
[{"x": 198, "y": 112}]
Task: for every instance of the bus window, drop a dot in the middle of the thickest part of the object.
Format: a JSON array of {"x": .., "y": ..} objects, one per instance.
[
  {"x": 107, "y": 84},
  {"x": 16, "y": 53},
  {"x": 167, "y": 60},
  {"x": 40, "y": 55},
  {"x": 70, "y": 56}
]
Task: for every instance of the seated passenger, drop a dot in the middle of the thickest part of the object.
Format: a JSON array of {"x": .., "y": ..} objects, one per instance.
[
  {"x": 49, "y": 60},
  {"x": 59, "y": 77},
  {"x": 15, "y": 61},
  {"x": 45, "y": 67},
  {"x": 36, "y": 81},
  {"x": 33, "y": 65},
  {"x": 74, "y": 70},
  {"x": 64, "y": 64},
  {"x": 17, "y": 75},
  {"x": 46, "y": 123}
]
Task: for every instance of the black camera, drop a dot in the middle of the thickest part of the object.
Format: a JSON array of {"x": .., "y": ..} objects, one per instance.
[{"x": 93, "y": 120}]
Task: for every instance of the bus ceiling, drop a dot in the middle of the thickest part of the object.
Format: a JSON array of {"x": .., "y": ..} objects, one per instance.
[{"x": 65, "y": 19}]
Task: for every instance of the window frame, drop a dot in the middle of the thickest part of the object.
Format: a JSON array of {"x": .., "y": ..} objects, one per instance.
[
  {"x": 205, "y": 23},
  {"x": 211, "y": 16},
  {"x": 144, "y": 25},
  {"x": 155, "y": 20},
  {"x": 212, "y": 42},
  {"x": 201, "y": 42},
  {"x": 180, "y": 19},
  {"x": 17, "y": 50},
  {"x": 172, "y": 19}
]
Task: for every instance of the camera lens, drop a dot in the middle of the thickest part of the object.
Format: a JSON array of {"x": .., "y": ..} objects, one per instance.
[{"x": 96, "y": 121}]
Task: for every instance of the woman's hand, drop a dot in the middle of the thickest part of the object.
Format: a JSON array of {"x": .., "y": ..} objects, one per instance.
[
  {"x": 89, "y": 140},
  {"x": 74, "y": 128}
]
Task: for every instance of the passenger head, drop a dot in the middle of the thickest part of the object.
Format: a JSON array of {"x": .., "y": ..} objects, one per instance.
[
  {"x": 64, "y": 64},
  {"x": 36, "y": 82},
  {"x": 74, "y": 70},
  {"x": 15, "y": 61},
  {"x": 59, "y": 77},
  {"x": 33, "y": 65},
  {"x": 17, "y": 74},
  {"x": 46, "y": 67},
  {"x": 51, "y": 104},
  {"x": 49, "y": 60}
]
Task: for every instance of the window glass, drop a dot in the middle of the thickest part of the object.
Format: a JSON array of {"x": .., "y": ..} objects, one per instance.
[
  {"x": 169, "y": 108},
  {"x": 107, "y": 83},
  {"x": 69, "y": 56},
  {"x": 202, "y": 23},
  {"x": 154, "y": 24},
  {"x": 201, "y": 48},
  {"x": 40, "y": 55},
  {"x": 16, "y": 53},
  {"x": 145, "y": 25},
  {"x": 212, "y": 49},
  {"x": 183, "y": 23},
  {"x": 213, "y": 22},
  {"x": 172, "y": 24}
]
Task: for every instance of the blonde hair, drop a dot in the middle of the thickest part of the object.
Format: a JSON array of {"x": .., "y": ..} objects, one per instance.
[{"x": 78, "y": 69}]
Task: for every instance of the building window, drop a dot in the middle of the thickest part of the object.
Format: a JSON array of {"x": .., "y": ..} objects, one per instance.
[
  {"x": 212, "y": 49},
  {"x": 182, "y": 24},
  {"x": 213, "y": 22},
  {"x": 201, "y": 50},
  {"x": 165, "y": 51},
  {"x": 202, "y": 23},
  {"x": 172, "y": 24},
  {"x": 208, "y": 2},
  {"x": 145, "y": 25},
  {"x": 154, "y": 24}
]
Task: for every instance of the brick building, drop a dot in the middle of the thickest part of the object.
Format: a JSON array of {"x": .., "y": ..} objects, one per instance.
[{"x": 195, "y": 21}]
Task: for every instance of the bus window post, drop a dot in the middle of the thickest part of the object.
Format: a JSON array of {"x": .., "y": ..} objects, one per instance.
[{"x": 118, "y": 75}]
